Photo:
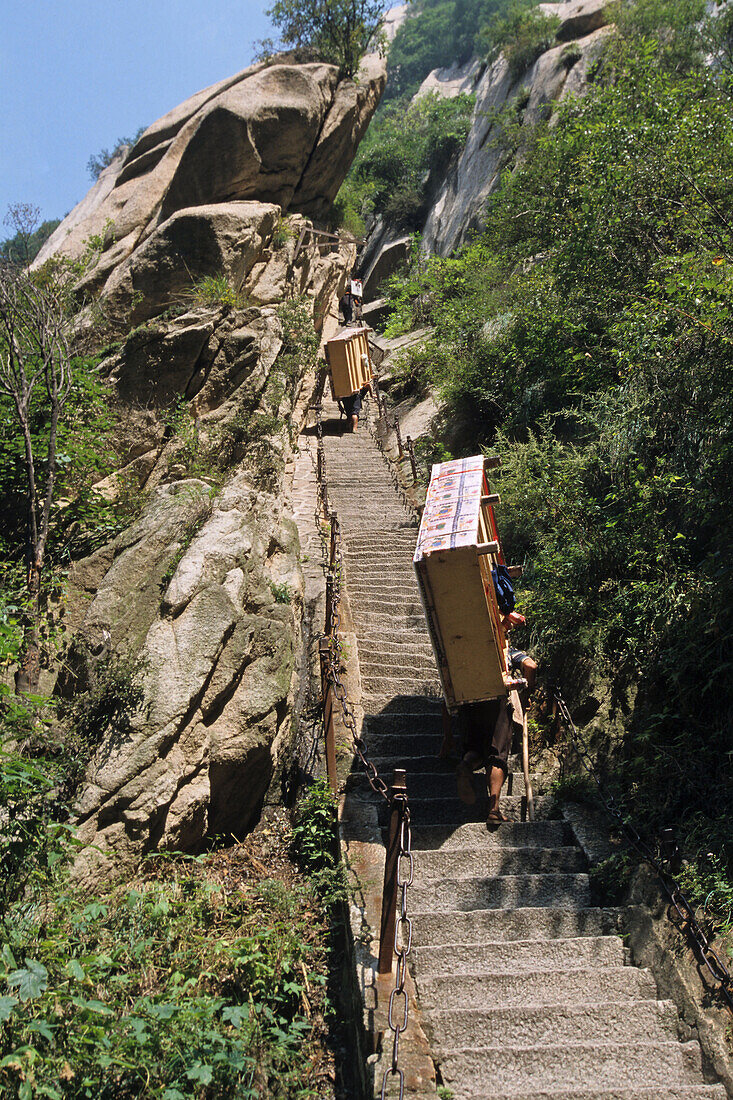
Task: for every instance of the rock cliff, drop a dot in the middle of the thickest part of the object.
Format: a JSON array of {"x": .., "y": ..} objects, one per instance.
[
  {"x": 457, "y": 207},
  {"x": 281, "y": 134},
  {"x": 200, "y": 598}
]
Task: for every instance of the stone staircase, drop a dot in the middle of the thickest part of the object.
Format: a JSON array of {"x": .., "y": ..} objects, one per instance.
[{"x": 524, "y": 986}]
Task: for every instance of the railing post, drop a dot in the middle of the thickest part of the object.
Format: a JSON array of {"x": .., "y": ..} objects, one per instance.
[
  {"x": 329, "y": 730},
  {"x": 319, "y": 462},
  {"x": 334, "y": 538},
  {"x": 399, "y": 437},
  {"x": 411, "y": 453},
  {"x": 391, "y": 859},
  {"x": 329, "y": 604}
]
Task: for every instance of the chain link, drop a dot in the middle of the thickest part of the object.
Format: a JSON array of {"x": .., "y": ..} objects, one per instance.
[
  {"x": 332, "y": 560},
  {"x": 408, "y": 504},
  {"x": 677, "y": 900}
]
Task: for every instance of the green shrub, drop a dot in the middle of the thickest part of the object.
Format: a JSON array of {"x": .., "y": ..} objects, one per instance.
[
  {"x": 316, "y": 843},
  {"x": 437, "y": 34},
  {"x": 216, "y": 290},
  {"x": 575, "y": 788},
  {"x": 570, "y": 55},
  {"x": 172, "y": 988},
  {"x": 282, "y": 593},
  {"x": 34, "y": 843},
  {"x": 610, "y": 879}
]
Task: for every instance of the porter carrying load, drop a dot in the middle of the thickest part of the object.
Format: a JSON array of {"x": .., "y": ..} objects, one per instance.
[
  {"x": 462, "y": 578},
  {"x": 349, "y": 362}
]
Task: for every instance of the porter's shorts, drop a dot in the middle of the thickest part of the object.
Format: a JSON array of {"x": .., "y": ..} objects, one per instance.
[{"x": 486, "y": 728}]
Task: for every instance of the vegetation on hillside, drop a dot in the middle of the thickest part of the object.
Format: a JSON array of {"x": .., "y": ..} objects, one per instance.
[
  {"x": 205, "y": 976},
  {"x": 28, "y": 237},
  {"x": 588, "y": 334},
  {"x": 441, "y": 33},
  {"x": 201, "y": 976},
  {"x": 404, "y": 153}
]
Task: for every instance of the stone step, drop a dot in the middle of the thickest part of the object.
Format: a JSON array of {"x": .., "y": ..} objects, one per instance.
[
  {"x": 569, "y": 891},
  {"x": 399, "y": 607},
  {"x": 418, "y": 765},
  {"x": 406, "y": 664},
  {"x": 432, "y": 782},
  {"x": 522, "y": 1070},
  {"x": 513, "y": 834},
  {"x": 413, "y": 727},
  {"x": 504, "y": 924},
  {"x": 386, "y": 620},
  {"x": 415, "y": 656},
  {"x": 395, "y": 558},
  {"x": 547, "y": 1025},
  {"x": 389, "y": 643},
  {"x": 388, "y": 546},
  {"x": 451, "y": 811},
  {"x": 393, "y": 566},
  {"x": 576, "y": 953},
  {"x": 503, "y": 989},
  {"x": 487, "y": 862},
  {"x": 400, "y": 685},
  {"x": 377, "y": 583},
  {"x": 377, "y": 704}
]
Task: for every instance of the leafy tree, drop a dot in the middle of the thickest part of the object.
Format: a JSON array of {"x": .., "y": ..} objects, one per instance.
[
  {"x": 29, "y": 237},
  {"x": 439, "y": 33},
  {"x": 101, "y": 160},
  {"x": 340, "y": 31}
]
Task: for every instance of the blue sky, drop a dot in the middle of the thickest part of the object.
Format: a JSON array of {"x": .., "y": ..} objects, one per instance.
[{"x": 75, "y": 75}]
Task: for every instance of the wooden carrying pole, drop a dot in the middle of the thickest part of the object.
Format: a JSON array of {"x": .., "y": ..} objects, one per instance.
[{"x": 525, "y": 768}]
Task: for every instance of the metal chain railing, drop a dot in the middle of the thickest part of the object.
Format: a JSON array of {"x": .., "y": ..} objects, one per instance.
[
  {"x": 391, "y": 466},
  {"x": 395, "y": 933},
  {"x": 677, "y": 900}
]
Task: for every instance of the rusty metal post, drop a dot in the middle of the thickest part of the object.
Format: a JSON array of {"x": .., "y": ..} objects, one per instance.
[
  {"x": 399, "y": 437},
  {"x": 329, "y": 604},
  {"x": 411, "y": 453},
  {"x": 329, "y": 729},
  {"x": 324, "y": 493},
  {"x": 334, "y": 538},
  {"x": 391, "y": 859},
  {"x": 319, "y": 462}
]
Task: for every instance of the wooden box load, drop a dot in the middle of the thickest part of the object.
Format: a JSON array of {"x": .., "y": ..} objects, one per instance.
[
  {"x": 457, "y": 546},
  {"x": 349, "y": 363}
]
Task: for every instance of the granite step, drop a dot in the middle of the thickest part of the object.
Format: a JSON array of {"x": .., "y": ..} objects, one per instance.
[
  {"x": 480, "y": 925},
  {"x": 504, "y": 989},
  {"x": 561, "y": 891},
  {"x": 522, "y": 1070}
]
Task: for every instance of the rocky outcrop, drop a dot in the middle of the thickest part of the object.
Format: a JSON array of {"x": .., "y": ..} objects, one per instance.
[
  {"x": 280, "y": 136},
  {"x": 577, "y": 17},
  {"x": 457, "y": 208},
  {"x": 452, "y": 81},
  {"x": 203, "y": 592},
  {"x": 218, "y": 655}
]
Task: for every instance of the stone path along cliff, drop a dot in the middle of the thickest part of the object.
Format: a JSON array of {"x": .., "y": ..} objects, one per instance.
[{"x": 524, "y": 987}]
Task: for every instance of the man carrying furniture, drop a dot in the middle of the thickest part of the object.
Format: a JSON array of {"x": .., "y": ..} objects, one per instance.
[{"x": 488, "y": 730}]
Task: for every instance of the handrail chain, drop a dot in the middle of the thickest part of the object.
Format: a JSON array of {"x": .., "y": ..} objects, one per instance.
[
  {"x": 399, "y": 942},
  {"x": 677, "y": 900}
]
